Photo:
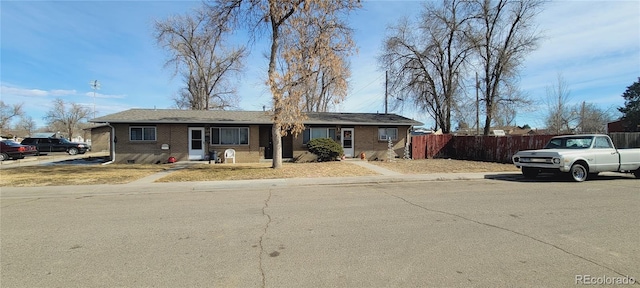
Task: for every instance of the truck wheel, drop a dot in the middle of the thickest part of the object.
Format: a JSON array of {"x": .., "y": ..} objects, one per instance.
[
  {"x": 578, "y": 173},
  {"x": 637, "y": 173},
  {"x": 3, "y": 156},
  {"x": 529, "y": 173},
  {"x": 73, "y": 151}
]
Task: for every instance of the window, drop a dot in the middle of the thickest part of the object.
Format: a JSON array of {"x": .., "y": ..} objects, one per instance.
[
  {"x": 577, "y": 142},
  {"x": 230, "y": 136},
  {"x": 320, "y": 132},
  {"x": 142, "y": 133},
  {"x": 603, "y": 142},
  {"x": 385, "y": 133}
]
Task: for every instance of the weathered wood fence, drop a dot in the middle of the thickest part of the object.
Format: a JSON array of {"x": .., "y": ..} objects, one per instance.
[
  {"x": 493, "y": 148},
  {"x": 479, "y": 148},
  {"x": 625, "y": 139}
]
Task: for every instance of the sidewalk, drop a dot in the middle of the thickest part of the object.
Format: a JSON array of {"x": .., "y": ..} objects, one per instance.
[{"x": 376, "y": 168}]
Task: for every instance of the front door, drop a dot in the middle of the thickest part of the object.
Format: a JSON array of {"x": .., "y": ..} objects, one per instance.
[
  {"x": 196, "y": 143},
  {"x": 347, "y": 142}
]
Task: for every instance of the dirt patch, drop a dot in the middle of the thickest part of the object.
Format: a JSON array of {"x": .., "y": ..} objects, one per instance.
[
  {"x": 209, "y": 172},
  {"x": 426, "y": 166}
]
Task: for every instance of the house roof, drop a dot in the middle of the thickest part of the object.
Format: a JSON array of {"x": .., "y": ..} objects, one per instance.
[
  {"x": 43, "y": 135},
  {"x": 166, "y": 116}
]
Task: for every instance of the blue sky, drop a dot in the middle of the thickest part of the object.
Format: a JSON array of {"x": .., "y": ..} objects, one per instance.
[{"x": 53, "y": 49}]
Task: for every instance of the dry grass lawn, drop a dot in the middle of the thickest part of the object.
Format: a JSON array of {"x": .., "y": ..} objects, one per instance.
[
  {"x": 58, "y": 175},
  {"x": 425, "y": 166},
  {"x": 208, "y": 172}
]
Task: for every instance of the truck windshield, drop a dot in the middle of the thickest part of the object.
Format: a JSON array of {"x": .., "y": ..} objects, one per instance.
[{"x": 569, "y": 143}]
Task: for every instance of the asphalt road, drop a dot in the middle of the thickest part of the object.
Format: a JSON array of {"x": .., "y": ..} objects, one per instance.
[{"x": 462, "y": 233}]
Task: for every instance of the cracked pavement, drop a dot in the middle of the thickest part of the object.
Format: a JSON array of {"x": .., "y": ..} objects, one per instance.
[{"x": 485, "y": 232}]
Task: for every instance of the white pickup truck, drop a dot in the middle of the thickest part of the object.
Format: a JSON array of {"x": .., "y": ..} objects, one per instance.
[{"x": 582, "y": 156}]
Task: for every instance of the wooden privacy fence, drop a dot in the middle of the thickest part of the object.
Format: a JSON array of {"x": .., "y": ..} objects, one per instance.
[
  {"x": 625, "y": 139},
  {"x": 479, "y": 148},
  {"x": 430, "y": 146}
]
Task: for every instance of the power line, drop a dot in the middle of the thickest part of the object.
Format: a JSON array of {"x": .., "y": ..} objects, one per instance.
[{"x": 369, "y": 84}]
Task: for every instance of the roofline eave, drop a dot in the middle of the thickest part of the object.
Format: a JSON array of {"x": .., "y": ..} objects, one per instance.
[{"x": 257, "y": 123}]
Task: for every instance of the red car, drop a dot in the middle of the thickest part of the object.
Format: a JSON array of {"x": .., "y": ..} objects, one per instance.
[{"x": 11, "y": 149}]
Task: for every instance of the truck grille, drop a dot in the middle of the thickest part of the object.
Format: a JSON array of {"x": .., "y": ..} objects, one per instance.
[{"x": 536, "y": 160}]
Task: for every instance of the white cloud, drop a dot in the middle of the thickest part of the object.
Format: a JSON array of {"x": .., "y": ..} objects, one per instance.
[
  {"x": 9, "y": 91},
  {"x": 579, "y": 32},
  {"x": 13, "y": 91},
  {"x": 62, "y": 92}
]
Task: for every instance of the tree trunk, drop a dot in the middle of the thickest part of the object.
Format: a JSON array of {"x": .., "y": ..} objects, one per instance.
[
  {"x": 487, "y": 125},
  {"x": 277, "y": 146},
  {"x": 275, "y": 92}
]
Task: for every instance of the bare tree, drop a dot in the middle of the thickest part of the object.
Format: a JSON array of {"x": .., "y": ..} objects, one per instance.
[
  {"x": 198, "y": 53},
  {"x": 561, "y": 115},
  {"x": 26, "y": 125},
  {"x": 507, "y": 109},
  {"x": 288, "y": 71},
  {"x": 593, "y": 119},
  {"x": 504, "y": 36},
  {"x": 425, "y": 59},
  {"x": 7, "y": 113},
  {"x": 325, "y": 47},
  {"x": 67, "y": 117},
  {"x": 464, "y": 110}
]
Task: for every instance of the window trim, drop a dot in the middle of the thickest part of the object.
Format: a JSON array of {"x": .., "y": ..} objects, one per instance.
[
  {"x": 155, "y": 133},
  {"x": 386, "y": 138},
  {"x": 219, "y": 136}
]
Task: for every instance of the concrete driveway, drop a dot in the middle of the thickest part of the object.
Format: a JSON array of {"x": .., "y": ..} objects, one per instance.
[{"x": 500, "y": 232}]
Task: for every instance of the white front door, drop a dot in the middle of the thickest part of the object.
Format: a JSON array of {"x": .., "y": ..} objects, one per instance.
[
  {"x": 196, "y": 143},
  {"x": 347, "y": 142}
]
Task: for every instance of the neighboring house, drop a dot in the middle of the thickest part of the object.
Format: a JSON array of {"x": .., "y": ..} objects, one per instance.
[
  {"x": 616, "y": 126},
  {"x": 100, "y": 138},
  {"x": 500, "y": 131},
  {"x": 154, "y": 135},
  {"x": 44, "y": 135}
]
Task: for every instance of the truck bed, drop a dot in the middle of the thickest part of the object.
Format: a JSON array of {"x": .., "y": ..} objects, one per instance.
[{"x": 629, "y": 159}]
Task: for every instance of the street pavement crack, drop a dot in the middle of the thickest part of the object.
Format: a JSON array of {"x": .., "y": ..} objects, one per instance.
[
  {"x": 264, "y": 232},
  {"x": 510, "y": 231}
]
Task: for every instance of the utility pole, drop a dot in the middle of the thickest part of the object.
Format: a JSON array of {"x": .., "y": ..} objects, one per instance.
[
  {"x": 386, "y": 93},
  {"x": 95, "y": 85},
  {"x": 477, "y": 106},
  {"x": 582, "y": 118}
]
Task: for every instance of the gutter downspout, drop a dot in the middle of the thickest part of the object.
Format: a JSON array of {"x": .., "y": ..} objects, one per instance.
[{"x": 112, "y": 143}]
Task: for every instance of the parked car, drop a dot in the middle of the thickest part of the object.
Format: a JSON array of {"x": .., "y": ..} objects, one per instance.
[
  {"x": 10, "y": 149},
  {"x": 581, "y": 156},
  {"x": 45, "y": 145}
]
